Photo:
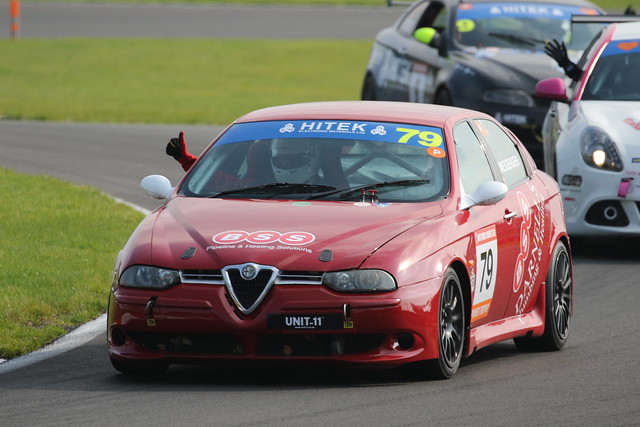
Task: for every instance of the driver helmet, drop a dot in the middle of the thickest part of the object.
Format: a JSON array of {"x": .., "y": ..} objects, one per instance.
[{"x": 293, "y": 160}]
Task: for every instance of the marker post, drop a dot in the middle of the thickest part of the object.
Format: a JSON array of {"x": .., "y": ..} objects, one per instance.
[{"x": 14, "y": 14}]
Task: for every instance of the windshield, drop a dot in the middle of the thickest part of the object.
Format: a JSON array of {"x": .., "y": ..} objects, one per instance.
[
  {"x": 616, "y": 75},
  {"x": 375, "y": 162},
  {"x": 522, "y": 25}
]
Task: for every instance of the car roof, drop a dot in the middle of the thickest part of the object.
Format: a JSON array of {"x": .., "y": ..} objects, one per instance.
[
  {"x": 387, "y": 111},
  {"x": 626, "y": 30}
]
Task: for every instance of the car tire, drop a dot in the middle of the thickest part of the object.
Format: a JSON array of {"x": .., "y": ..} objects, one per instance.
[
  {"x": 451, "y": 329},
  {"x": 369, "y": 89},
  {"x": 129, "y": 368},
  {"x": 558, "y": 305}
]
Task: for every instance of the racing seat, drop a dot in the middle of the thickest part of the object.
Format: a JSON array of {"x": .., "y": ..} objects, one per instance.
[{"x": 332, "y": 169}]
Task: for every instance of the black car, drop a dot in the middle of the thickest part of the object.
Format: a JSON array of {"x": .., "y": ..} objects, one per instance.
[{"x": 484, "y": 55}]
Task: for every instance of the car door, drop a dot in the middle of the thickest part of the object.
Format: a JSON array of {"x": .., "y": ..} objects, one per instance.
[
  {"x": 424, "y": 62},
  {"x": 550, "y": 131},
  {"x": 521, "y": 244},
  {"x": 410, "y": 66},
  {"x": 494, "y": 230}
]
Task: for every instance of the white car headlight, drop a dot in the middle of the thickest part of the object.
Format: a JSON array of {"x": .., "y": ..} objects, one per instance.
[
  {"x": 144, "y": 276},
  {"x": 516, "y": 97},
  {"x": 598, "y": 150},
  {"x": 360, "y": 281}
]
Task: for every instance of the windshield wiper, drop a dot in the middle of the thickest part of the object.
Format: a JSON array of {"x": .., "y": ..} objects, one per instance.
[
  {"x": 528, "y": 41},
  {"x": 362, "y": 189},
  {"x": 277, "y": 188}
]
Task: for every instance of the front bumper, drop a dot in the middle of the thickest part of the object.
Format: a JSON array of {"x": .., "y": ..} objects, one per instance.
[
  {"x": 606, "y": 203},
  {"x": 193, "y": 323}
]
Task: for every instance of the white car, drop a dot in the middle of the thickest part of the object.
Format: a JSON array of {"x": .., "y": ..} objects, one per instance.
[{"x": 591, "y": 135}]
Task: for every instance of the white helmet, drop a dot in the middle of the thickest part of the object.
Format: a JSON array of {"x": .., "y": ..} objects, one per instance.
[{"x": 293, "y": 161}]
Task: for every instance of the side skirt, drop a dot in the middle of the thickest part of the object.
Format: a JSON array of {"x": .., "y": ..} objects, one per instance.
[{"x": 531, "y": 323}]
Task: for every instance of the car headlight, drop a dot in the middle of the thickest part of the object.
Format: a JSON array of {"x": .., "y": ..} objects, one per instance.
[
  {"x": 144, "y": 276},
  {"x": 360, "y": 281},
  {"x": 515, "y": 97},
  {"x": 598, "y": 150}
]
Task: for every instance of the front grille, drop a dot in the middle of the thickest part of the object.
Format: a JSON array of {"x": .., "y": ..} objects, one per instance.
[
  {"x": 270, "y": 345},
  {"x": 207, "y": 277},
  {"x": 221, "y": 344},
  {"x": 299, "y": 278},
  {"x": 607, "y": 212},
  {"x": 214, "y": 277},
  {"x": 301, "y": 345},
  {"x": 249, "y": 292}
]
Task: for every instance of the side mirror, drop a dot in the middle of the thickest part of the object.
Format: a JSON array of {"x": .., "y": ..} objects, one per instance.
[
  {"x": 487, "y": 193},
  {"x": 427, "y": 35},
  {"x": 157, "y": 186},
  {"x": 432, "y": 38},
  {"x": 552, "y": 88}
]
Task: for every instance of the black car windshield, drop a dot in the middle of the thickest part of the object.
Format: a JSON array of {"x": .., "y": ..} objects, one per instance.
[
  {"x": 616, "y": 75},
  {"x": 323, "y": 160},
  {"x": 522, "y": 25}
]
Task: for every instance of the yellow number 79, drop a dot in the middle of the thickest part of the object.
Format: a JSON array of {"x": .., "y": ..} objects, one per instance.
[{"x": 426, "y": 138}]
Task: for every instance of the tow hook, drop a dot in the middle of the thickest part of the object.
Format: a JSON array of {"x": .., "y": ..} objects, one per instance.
[
  {"x": 149, "y": 310},
  {"x": 346, "y": 316}
]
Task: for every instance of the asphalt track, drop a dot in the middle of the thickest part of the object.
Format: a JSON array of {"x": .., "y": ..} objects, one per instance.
[
  {"x": 54, "y": 20},
  {"x": 594, "y": 381}
]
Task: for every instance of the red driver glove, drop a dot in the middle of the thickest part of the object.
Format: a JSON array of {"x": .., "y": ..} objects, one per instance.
[{"x": 177, "y": 148}]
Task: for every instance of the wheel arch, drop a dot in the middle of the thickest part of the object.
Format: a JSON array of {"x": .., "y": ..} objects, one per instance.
[
  {"x": 564, "y": 238},
  {"x": 465, "y": 282}
]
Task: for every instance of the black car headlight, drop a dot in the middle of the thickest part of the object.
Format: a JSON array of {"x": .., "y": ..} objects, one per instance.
[
  {"x": 598, "y": 150},
  {"x": 359, "y": 281},
  {"x": 145, "y": 276},
  {"x": 514, "y": 97}
]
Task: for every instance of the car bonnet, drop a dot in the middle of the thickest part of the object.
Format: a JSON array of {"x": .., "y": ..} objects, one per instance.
[
  {"x": 287, "y": 234},
  {"x": 620, "y": 119},
  {"x": 519, "y": 68}
]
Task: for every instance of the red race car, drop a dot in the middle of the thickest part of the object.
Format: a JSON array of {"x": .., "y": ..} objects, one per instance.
[{"x": 357, "y": 232}]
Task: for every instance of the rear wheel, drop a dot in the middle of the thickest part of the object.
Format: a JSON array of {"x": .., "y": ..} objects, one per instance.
[
  {"x": 451, "y": 326},
  {"x": 558, "y": 305}
]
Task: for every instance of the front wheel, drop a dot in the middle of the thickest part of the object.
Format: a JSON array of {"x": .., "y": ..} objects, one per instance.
[
  {"x": 558, "y": 305},
  {"x": 451, "y": 327}
]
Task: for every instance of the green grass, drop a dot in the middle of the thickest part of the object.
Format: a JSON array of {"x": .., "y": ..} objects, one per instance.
[
  {"x": 55, "y": 263},
  {"x": 101, "y": 80},
  {"x": 201, "y": 81}
]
